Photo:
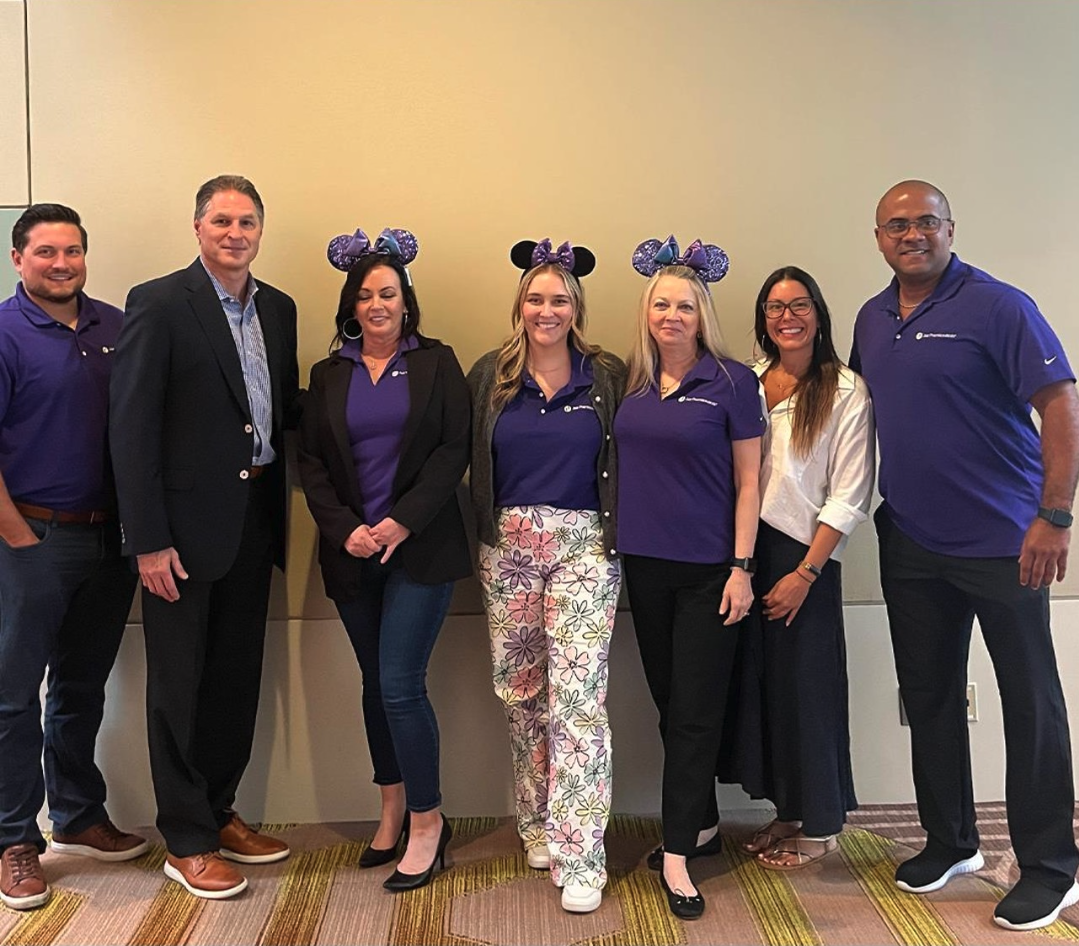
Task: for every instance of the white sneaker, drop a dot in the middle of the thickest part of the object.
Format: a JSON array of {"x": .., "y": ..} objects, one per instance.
[
  {"x": 576, "y": 898},
  {"x": 539, "y": 858}
]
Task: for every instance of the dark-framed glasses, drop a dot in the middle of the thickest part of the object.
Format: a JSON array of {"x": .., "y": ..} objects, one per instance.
[
  {"x": 898, "y": 226},
  {"x": 774, "y": 309}
]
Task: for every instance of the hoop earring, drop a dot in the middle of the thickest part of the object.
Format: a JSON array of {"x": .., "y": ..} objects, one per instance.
[{"x": 351, "y": 329}]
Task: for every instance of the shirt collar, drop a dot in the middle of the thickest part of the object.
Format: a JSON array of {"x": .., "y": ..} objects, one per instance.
[
  {"x": 950, "y": 281},
  {"x": 352, "y": 349},
  {"x": 223, "y": 294},
  {"x": 581, "y": 374},
  {"x": 38, "y": 316}
]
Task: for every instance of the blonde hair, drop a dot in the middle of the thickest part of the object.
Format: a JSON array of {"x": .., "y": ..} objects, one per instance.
[
  {"x": 643, "y": 360},
  {"x": 513, "y": 355}
]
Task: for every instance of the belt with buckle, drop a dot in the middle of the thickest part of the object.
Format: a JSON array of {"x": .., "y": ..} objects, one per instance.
[{"x": 30, "y": 511}]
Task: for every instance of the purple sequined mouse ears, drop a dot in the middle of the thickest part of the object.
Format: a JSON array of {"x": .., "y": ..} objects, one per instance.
[
  {"x": 346, "y": 250},
  {"x": 579, "y": 261},
  {"x": 707, "y": 260}
]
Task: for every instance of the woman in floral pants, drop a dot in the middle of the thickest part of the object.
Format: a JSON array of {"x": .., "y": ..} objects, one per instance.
[{"x": 543, "y": 487}]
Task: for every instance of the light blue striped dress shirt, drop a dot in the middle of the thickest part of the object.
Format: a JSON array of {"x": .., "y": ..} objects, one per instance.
[{"x": 251, "y": 347}]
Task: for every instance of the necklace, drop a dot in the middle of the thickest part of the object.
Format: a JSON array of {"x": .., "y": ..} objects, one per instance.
[{"x": 913, "y": 305}]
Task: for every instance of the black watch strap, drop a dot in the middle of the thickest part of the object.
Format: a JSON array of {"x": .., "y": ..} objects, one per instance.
[
  {"x": 1061, "y": 518},
  {"x": 748, "y": 565}
]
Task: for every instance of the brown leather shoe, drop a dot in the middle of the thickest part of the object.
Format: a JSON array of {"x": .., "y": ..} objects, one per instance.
[
  {"x": 205, "y": 875},
  {"x": 104, "y": 842},
  {"x": 242, "y": 843},
  {"x": 22, "y": 881}
]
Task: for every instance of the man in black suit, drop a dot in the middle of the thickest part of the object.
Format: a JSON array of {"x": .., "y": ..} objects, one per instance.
[{"x": 205, "y": 380}]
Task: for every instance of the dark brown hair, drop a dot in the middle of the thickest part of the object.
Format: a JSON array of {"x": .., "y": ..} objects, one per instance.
[{"x": 816, "y": 390}]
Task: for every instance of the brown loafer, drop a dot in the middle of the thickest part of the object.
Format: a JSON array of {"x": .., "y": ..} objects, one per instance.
[
  {"x": 205, "y": 875},
  {"x": 104, "y": 842},
  {"x": 22, "y": 881},
  {"x": 242, "y": 843}
]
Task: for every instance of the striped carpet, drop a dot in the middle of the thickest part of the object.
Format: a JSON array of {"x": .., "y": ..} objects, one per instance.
[{"x": 488, "y": 895}]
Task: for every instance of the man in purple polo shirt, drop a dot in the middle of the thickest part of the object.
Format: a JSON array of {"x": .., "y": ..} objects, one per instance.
[
  {"x": 65, "y": 592},
  {"x": 975, "y": 523}
]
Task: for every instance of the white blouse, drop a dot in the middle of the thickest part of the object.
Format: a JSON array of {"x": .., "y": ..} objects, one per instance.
[{"x": 833, "y": 485}]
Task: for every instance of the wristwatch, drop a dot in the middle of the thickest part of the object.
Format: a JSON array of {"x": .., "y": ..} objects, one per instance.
[
  {"x": 1061, "y": 518},
  {"x": 811, "y": 568},
  {"x": 748, "y": 565}
]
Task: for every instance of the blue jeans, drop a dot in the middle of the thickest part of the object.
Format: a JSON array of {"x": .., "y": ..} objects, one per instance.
[
  {"x": 392, "y": 626},
  {"x": 63, "y": 606}
]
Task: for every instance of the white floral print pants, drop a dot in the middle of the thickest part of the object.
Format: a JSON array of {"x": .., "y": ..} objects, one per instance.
[{"x": 551, "y": 596}]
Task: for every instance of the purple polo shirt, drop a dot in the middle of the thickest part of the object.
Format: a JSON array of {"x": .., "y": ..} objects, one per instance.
[
  {"x": 545, "y": 452},
  {"x": 54, "y": 400},
  {"x": 960, "y": 458},
  {"x": 376, "y": 415},
  {"x": 675, "y": 465}
]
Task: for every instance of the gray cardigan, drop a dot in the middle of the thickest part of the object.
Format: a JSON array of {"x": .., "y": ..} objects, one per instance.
[{"x": 608, "y": 386}]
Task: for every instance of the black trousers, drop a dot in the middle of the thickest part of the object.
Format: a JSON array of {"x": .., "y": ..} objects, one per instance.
[
  {"x": 932, "y": 600},
  {"x": 688, "y": 657},
  {"x": 203, "y": 673}
]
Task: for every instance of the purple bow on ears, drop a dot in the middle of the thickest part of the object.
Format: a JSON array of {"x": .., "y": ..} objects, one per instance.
[
  {"x": 563, "y": 256},
  {"x": 707, "y": 260},
  {"x": 345, "y": 251}
]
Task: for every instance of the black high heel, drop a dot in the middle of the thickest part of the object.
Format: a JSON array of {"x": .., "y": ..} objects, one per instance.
[
  {"x": 377, "y": 856},
  {"x": 398, "y": 881},
  {"x": 683, "y": 907}
]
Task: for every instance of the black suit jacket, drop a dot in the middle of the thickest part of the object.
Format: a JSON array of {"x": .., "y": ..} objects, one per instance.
[
  {"x": 180, "y": 424},
  {"x": 434, "y": 455}
]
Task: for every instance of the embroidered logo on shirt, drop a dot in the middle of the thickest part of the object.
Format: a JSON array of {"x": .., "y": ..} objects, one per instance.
[
  {"x": 922, "y": 335},
  {"x": 396, "y": 372},
  {"x": 579, "y": 407},
  {"x": 105, "y": 350},
  {"x": 1049, "y": 361},
  {"x": 698, "y": 400}
]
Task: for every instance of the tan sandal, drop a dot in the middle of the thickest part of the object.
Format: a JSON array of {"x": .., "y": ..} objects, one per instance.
[
  {"x": 795, "y": 846},
  {"x": 768, "y": 836}
]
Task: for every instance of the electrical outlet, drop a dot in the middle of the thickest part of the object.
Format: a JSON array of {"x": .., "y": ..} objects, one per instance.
[{"x": 972, "y": 706}]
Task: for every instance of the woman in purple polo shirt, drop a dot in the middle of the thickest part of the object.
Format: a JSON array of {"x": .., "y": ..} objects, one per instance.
[
  {"x": 543, "y": 488},
  {"x": 793, "y": 743},
  {"x": 384, "y": 445},
  {"x": 689, "y": 441}
]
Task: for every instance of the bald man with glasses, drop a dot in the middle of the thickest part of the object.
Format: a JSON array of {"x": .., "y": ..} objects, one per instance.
[{"x": 976, "y": 522}]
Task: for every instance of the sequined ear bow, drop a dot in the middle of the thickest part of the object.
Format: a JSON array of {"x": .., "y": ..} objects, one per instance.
[
  {"x": 577, "y": 260},
  {"x": 345, "y": 251},
  {"x": 707, "y": 260}
]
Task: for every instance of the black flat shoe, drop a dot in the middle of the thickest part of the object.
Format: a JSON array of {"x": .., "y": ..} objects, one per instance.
[
  {"x": 685, "y": 908},
  {"x": 398, "y": 881},
  {"x": 377, "y": 856},
  {"x": 712, "y": 846}
]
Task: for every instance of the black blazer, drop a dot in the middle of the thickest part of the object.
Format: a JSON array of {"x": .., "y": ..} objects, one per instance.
[
  {"x": 180, "y": 424},
  {"x": 434, "y": 456}
]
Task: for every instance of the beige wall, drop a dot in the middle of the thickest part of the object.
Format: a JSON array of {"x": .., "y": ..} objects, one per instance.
[{"x": 768, "y": 127}]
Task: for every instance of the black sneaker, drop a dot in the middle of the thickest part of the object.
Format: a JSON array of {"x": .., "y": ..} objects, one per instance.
[
  {"x": 931, "y": 870},
  {"x": 1030, "y": 906}
]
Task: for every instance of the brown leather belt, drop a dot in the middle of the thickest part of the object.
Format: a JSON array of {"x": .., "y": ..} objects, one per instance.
[
  {"x": 30, "y": 511},
  {"x": 255, "y": 472}
]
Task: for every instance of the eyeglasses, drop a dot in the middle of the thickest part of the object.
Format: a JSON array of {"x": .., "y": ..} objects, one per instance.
[
  {"x": 801, "y": 307},
  {"x": 898, "y": 226}
]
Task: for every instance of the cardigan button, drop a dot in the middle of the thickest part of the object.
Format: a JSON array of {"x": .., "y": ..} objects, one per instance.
[
  {"x": 605, "y": 474},
  {"x": 606, "y": 514}
]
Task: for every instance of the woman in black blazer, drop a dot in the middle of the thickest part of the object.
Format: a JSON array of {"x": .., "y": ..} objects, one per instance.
[{"x": 384, "y": 445}]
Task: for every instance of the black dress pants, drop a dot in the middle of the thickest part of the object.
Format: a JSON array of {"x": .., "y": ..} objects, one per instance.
[
  {"x": 203, "y": 674},
  {"x": 688, "y": 658},
  {"x": 932, "y": 600}
]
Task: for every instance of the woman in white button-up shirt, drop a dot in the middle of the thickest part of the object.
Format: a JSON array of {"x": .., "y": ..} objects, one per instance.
[{"x": 816, "y": 483}]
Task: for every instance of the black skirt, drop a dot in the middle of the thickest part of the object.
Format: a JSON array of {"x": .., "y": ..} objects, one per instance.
[{"x": 787, "y": 737}]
